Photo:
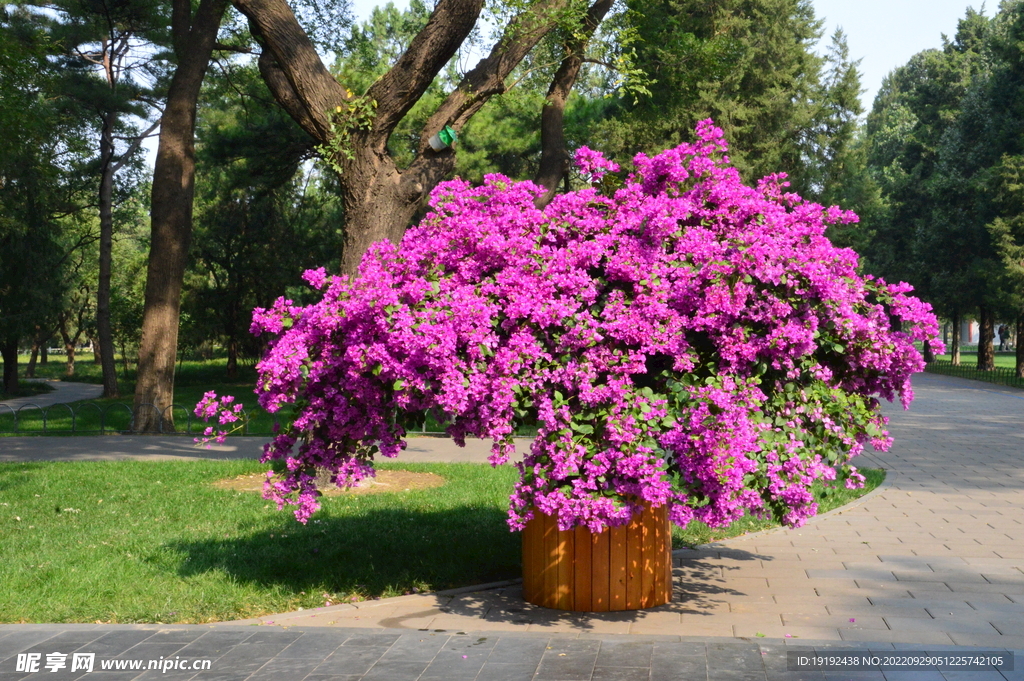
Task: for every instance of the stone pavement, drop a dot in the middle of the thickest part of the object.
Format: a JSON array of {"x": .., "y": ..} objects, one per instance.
[
  {"x": 64, "y": 391},
  {"x": 933, "y": 559},
  {"x": 171, "y": 447},
  {"x": 345, "y": 654}
]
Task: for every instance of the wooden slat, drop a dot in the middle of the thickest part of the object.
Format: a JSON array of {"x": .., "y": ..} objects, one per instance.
[
  {"x": 600, "y": 577},
  {"x": 666, "y": 575},
  {"x": 566, "y": 551},
  {"x": 622, "y": 568},
  {"x": 529, "y": 560},
  {"x": 617, "y": 568},
  {"x": 550, "y": 562},
  {"x": 648, "y": 539},
  {"x": 583, "y": 569},
  {"x": 634, "y": 562},
  {"x": 651, "y": 532}
]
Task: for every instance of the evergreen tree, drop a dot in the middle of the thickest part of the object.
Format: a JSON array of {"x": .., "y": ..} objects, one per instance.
[
  {"x": 263, "y": 212},
  {"x": 932, "y": 235},
  {"x": 37, "y": 192},
  {"x": 748, "y": 64}
]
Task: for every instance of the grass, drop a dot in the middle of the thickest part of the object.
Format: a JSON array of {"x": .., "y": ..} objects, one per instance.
[
  {"x": 28, "y": 389},
  {"x": 1003, "y": 359},
  {"x": 192, "y": 379},
  {"x": 132, "y": 541},
  {"x": 1004, "y": 372}
]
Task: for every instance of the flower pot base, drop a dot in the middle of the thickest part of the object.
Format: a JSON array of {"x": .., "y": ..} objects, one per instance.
[{"x": 622, "y": 568}]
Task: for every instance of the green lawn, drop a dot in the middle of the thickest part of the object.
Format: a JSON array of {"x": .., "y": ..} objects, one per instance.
[
  {"x": 155, "y": 542},
  {"x": 193, "y": 378},
  {"x": 1003, "y": 359},
  {"x": 28, "y": 389}
]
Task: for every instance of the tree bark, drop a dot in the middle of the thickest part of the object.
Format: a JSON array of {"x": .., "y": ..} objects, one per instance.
[
  {"x": 69, "y": 347},
  {"x": 30, "y": 371},
  {"x": 97, "y": 351},
  {"x": 1019, "y": 340},
  {"x": 171, "y": 211},
  {"x": 986, "y": 333},
  {"x": 381, "y": 200},
  {"x": 232, "y": 370},
  {"x": 554, "y": 158},
  {"x": 103, "y": 327},
  {"x": 954, "y": 345},
  {"x": 9, "y": 350},
  {"x": 929, "y": 354}
]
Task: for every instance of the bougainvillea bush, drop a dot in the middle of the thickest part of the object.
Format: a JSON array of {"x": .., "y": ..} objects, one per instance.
[{"x": 683, "y": 339}]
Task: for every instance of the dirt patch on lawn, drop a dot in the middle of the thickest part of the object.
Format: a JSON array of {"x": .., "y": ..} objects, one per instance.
[{"x": 386, "y": 481}]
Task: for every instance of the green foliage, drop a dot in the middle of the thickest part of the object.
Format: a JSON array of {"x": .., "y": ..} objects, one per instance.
[
  {"x": 750, "y": 66},
  {"x": 264, "y": 213},
  {"x": 37, "y": 188},
  {"x": 357, "y": 115},
  {"x": 830, "y": 497},
  {"x": 925, "y": 161}
]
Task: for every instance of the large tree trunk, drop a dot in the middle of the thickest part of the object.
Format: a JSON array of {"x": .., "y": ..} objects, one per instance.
[
  {"x": 986, "y": 332},
  {"x": 1019, "y": 340},
  {"x": 106, "y": 335},
  {"x": 376, "y": 208},
  {"x": 380, "y": 200},
  {"x": 9, "y": 350},
  {"x": 171, "y": 213},
  {"x": 954, "y": 345}
]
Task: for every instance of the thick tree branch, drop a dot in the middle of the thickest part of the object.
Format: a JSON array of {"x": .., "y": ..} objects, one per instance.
[
  {"x": 181, "y": 24},
  {"x": 554, "y": 159},
  {"x": 315, "y": 89},
  {"x": 286, "y": 96},
  {"x": 401, "y": 87},
  {"x": 485, "y": 80}
]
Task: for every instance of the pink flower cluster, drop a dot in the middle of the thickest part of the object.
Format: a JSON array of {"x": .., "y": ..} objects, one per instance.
[
  {"x": 225, "y": 410},
  {"x": 688, "y": 340}
]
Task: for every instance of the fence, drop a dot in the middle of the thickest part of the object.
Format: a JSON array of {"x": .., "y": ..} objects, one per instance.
[
  {"x": 999, "y": 375},
  {"x": 89, "y": 417}
]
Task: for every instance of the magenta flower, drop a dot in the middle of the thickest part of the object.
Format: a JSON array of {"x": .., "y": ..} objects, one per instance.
[{"x": 689, "y": 341}]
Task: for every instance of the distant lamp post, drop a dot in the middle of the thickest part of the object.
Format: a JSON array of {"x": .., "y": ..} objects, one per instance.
[{"x": 443, "y": 139}]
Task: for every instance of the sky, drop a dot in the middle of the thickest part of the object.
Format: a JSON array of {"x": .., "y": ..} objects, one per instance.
[{"x": 884, "y": 34}]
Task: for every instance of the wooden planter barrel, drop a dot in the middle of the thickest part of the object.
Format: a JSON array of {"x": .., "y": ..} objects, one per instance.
[{"x": 622, "y": 568}]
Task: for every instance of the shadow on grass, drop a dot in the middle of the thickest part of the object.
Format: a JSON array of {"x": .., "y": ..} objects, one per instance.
[
  {"x": 393, "y": 550},
  {"x": 387, "y": 554}
]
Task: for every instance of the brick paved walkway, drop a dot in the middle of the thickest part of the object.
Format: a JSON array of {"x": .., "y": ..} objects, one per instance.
[
  {"x": 315, "y": 654},
  {"x": 935, "y": 557},
  {"x": 932, "y": 561}
]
